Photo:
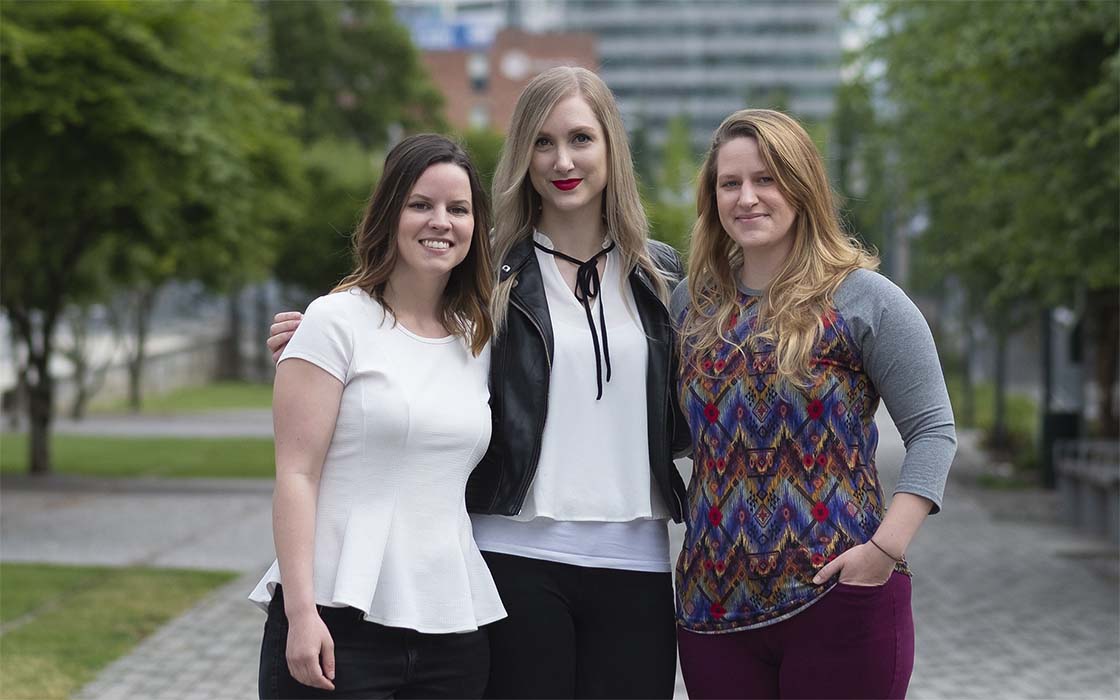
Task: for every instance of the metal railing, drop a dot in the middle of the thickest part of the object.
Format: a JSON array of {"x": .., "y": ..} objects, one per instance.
[{"x": 1088, "y": 474}]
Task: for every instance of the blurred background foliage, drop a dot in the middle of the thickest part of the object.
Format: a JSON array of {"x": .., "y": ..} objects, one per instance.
[{"x": 230, "y": 143}]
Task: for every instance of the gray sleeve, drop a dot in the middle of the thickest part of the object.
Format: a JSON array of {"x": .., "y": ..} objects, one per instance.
[
  {"x": 678, "y": 303},
  {"x": 900, "y": 358}
]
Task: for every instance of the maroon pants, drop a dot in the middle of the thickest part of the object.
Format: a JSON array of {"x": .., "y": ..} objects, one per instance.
[{"x": 855, "y": 642}]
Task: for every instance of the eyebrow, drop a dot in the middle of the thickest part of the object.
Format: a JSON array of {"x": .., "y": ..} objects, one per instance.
[
  {"x": 426, "y": 198},
  {"x": 764, "y": 171},
  {"x": 573, "y": 130}
]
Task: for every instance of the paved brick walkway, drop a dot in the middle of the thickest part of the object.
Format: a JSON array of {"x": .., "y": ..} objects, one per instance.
[
  {"x": 209, "y": 653},
  {"x": 1005, "y": 607}
]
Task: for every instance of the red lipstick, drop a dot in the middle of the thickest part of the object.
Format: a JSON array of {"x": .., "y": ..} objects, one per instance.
[{"x": 566, "y": 185}]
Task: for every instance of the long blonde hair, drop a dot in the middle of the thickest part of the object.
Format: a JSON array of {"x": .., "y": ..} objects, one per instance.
[
  {"x": 517, "y": 205},
  {"x": 794, "y": 305}
]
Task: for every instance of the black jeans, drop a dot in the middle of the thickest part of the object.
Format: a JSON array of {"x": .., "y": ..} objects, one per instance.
[
  {"x": 375, "y": 661},
  {"x": 581, "y": 632}
]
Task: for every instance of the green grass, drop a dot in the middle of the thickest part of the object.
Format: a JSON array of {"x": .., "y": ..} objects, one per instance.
[
  {"x": 70, "y": 622},
  {"x": 127, "y": 456},
  {"x": 1022, "y": 419},
  {"x": 1022, "y": 411},
  {"x": 219, "y": 396}
]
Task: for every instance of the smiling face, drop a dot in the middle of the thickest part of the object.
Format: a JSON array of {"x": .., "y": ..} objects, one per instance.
[
  {"x": 569, "y": 165},
  {"x": 437, "y": 222},
  {"x": 752, "y": 208}
]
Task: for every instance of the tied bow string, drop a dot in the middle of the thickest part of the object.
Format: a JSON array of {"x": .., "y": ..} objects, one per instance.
[{"x": 588, "y": 286}]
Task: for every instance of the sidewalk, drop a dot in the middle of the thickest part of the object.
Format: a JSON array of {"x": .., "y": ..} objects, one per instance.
[
  {"x": 232, "y": 423},
  {"x": 1004, "y": 607}
]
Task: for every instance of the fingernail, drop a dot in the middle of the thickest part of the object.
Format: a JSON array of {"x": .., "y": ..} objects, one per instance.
[{"x": 816, "y": 579}]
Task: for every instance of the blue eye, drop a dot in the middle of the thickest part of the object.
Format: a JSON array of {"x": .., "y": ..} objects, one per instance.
[
  {"x": 542, "y": 142},
  {"x": 582, "y": 138}
]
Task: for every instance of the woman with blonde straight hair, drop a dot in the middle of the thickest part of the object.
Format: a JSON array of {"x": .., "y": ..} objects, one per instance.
[
  {"x": 793, "y": 580},
  {"x": 570, "y": 504},
  {"x": 572, "y": 500}
]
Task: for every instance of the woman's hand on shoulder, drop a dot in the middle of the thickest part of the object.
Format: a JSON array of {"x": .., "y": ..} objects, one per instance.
[
  {"x": 310, "y": 651},
  {"x": 862, "y": 565},
  {"x": 284, "y": 325}
]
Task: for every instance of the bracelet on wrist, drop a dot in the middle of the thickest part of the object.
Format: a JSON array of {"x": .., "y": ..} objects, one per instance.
[{"x": 890, "y": 556}]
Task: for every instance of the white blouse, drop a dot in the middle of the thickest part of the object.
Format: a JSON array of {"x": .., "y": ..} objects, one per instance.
[
  {"x": 593, "y": 483},
  {"x": 392, "y": 534}
]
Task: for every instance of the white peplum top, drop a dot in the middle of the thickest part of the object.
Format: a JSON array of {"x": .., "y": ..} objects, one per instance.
[{"x": 392, "y": 535}]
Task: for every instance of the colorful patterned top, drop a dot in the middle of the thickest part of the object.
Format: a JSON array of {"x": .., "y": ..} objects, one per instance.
[{"x": 784, "y": 478}]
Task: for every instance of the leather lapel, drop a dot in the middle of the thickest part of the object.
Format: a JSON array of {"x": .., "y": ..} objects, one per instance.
[{"x": 528, "y": 290}]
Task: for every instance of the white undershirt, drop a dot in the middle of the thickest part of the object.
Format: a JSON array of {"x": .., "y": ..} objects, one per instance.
[{"x": 593, "y": 501}]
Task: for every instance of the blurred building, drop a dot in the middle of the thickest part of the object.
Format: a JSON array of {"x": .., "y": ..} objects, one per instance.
[
  {"x": 701, "y": 59},
  {"x": 706, "y": 59},
  {"x": 481, "y": 84}
]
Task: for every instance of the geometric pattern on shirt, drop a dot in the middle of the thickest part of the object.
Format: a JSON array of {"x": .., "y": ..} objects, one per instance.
[{"x": 783, "y": 478}]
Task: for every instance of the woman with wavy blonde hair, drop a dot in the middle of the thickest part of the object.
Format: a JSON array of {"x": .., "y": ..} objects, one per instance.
[{"x": 793, "y": 581}]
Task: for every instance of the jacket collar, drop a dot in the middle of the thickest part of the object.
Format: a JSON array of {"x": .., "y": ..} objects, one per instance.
[
  {"x": 521, "y": 253},
  {"x": 528, "y": 287}
]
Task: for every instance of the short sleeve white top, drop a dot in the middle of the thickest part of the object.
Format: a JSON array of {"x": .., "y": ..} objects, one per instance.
[{"x": 392, "y": 534}]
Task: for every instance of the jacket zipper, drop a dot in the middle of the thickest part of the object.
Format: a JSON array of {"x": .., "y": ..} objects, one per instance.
[{"x": 540, "y": 331}]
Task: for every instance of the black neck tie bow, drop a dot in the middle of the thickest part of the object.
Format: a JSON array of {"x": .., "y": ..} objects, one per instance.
[{"x": 588, "y": 286}]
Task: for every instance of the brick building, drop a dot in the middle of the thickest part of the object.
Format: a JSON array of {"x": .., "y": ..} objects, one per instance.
[{"x": 481, "y": 85}]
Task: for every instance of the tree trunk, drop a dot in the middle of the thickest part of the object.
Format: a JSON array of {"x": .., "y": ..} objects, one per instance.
[
  {"x": 999, "y": 418},
  {"x": 40, "y": 403},
  {"x": 37, "y": 335},
  {"x": 77, "y": 354},
  {"x": 231, "y": 366},
  {"x": 141, "y": 323},
  {"x": 968, "y": 387},
  {"x": 264, "y": 319},
  {"x": 81, "y": 395},
  {"x": 1106, "y": 355},
  {"x": 15, "y": 400}
]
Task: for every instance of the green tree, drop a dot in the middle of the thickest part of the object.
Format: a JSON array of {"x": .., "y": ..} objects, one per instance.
[
  {"x": 645, "y": 160},
  {"x": 484, "y": 146},
  {"x": 1007, "y": 129},
  {"x": 671, "y": 207},
  {"x": 314, "y": 251},
  {"x": 358, "y": 82},
  {"x": 352, "y": 68},
  {"x": 129, "y": 128},
  {"x": 859, "y": 163}
]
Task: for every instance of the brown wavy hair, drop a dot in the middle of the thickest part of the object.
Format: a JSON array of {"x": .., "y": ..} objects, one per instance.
[
  {"x": 791, "y": 316},
  {"x": 465, "y": 307}
]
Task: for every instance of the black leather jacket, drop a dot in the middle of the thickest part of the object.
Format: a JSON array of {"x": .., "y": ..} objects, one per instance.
[{"x": 520, "y": 368}]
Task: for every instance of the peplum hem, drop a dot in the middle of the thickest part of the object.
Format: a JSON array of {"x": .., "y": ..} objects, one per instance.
[{"x": 437, "y": 586}]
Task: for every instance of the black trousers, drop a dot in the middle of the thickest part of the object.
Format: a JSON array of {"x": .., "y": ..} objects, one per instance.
[
  {"x": 581, "y": 632},
  {"x": 375, "y": 661}
]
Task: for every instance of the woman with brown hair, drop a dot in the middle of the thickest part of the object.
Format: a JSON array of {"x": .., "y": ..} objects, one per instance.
[
  {"x": 380, "y": 410},
  {"x": 793, "y": 582}
]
